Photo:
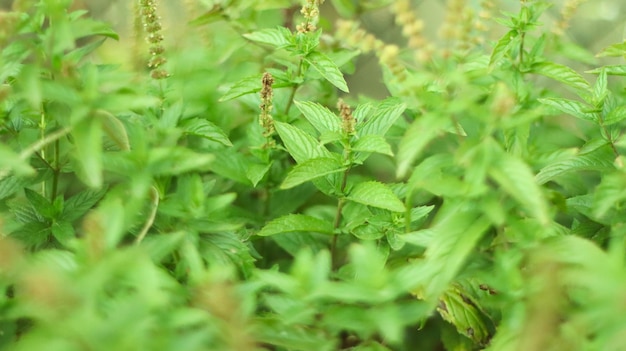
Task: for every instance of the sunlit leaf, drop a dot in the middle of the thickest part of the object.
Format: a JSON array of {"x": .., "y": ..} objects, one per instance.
[
  {"x": 296, "y": 223},
  {"x": 311, "y": 169},
  {"x": 301, "y": 146},
  {"x": 376, "y": 194},
  {"x": 328, "y": 69},
  {"x": 562, "y": 74}
]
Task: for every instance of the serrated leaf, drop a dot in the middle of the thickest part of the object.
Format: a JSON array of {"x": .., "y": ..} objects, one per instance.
[
  {"x": 451, "y": 238},
  {"x": 599, "y": 160},
  {"x": 383, "y": 117},
  {"x": 206, "y": 129},
  {"x": 464, "y": 312},
  {"x": 40, "y": 204},
  {"x": 612, "y": 70},
  {"x": 82, "y": 51},
  {"x": 600, "y": 88},
  {"x": 319, "y": 116},
  {"x": 414, "y": 141},
  {"x": 255, "y": 172},
  {"x": 32, "y": 234},
  {"x": 79, "y": 204},
  {"x": 571, "y": 107},
  {"x": 296, "y": 223},
  {"x": 25, "y": 213},
  {"x": 616, "y": 115},
  {"x": 291, "y": 337},
  {"x": 376, "y": 194},
  {"x": 516, "y": 178},
  {"x": 245, "y": 86},
  {"x": 276, "y": 37},
  {"x": 63, "y": 232},
  {"x": 328, "y": 69},
  {"x": 562, "y": 74},
  {"x": 608, "y": 194},
  {"x": 502, "y": 46},
  {"x": 311, "y": 169},
  {"x": 615, "y": 50},
  {"x": 231, "y": 165},
  {"x": 372, "y": 143},
  {"x": 10, "y": 185},
  {"x": 300, "y": 145}
]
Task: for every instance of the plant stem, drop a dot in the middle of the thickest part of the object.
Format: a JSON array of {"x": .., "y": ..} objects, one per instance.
[
  {"x": 154, "y": 202},
  {"x": 55, "y": 171},
  {"x": 292, "y": 95},
  {"x": 340, "y": 203}
]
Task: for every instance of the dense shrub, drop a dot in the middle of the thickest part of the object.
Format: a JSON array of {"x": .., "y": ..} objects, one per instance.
[{"x": 224, "y": 190}]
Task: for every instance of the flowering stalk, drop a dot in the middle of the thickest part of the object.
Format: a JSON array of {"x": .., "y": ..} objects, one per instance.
[
  {"x": 267, "y": 95},
  {"x": 152, "y": 27},
  {"x": 310, "y": 11}
]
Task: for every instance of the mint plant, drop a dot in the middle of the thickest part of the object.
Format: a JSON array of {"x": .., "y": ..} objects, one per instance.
[{"x": 229, "y": 190}]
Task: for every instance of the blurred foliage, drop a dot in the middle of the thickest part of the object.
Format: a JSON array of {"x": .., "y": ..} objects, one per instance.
[{"x": 229, "y": 175}]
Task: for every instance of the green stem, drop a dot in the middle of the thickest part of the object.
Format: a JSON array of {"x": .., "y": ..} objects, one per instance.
[
  {"x": 340, "y": 203},
  {"x": 55, "y": 171},
  {"x": 292, "y": 95},
  {"x": 154, "y": 202},
  {"x": 408, "y": 203}
]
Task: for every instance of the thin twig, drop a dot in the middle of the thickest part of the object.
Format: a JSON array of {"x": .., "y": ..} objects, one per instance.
[{"x": 154, "y": 197}]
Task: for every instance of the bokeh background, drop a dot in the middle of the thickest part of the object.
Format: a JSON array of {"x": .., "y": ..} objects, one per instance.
[{"x": 595, "y": 25}]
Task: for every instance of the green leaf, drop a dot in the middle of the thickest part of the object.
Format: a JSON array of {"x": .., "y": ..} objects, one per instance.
[
  {"x": 455, "y": 231},
  {"x": 296, "y": 223},
  {"x": 372, "y": 143},
  {"x": 159, "y": 246},
  {"x": 10, "y": 185},
  {"x": 12, "y": 162},
  {"x": 608, "y": 194},
  {"x": 206, "y": 129},
  {"x": 616, "y": 115},
  {"x": 517, "y": 179},
  {"x": 612, "y": 70},
  {"x": 300, "y": 145},
  {"x": 571, "y": 107},
  {"x": 232, "y": 165},
  {"x": 311, "y": 169},
  {"x": 77, "y": 54},
  {"x": 327, "y": 69},
  {"x": 115, "y": 130},
  {"x": 245, "y": 86},
  {"x": 615, "y": 50},
  {"x": 562, "y": 74},
  {"x": 292, "y": 337},
  {"x": 600, "y": 160},
  {"x": 319, "y": 116},
  {"x": 255, "y": 172},
  {"x": 63, "y": 232},
  {"x": 414, "y": 141},
  {"x": 77, "y": 205},
  {"x": 463, "y": 311},
  {"x": 40, "y": 204},
  {"x": 376, "y": 194},
  {"x": 384, "y": 116},
  {"x": 502, "y": 47},
  {"x": 276, "y": 37},
  {"x": 177, "y": 160},
  {"x": 600, "y": 89},
  {"x": 87, "y": 135}
]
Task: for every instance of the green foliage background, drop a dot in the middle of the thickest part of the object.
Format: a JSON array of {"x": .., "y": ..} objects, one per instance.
[{"x": 472, "y": 198}]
